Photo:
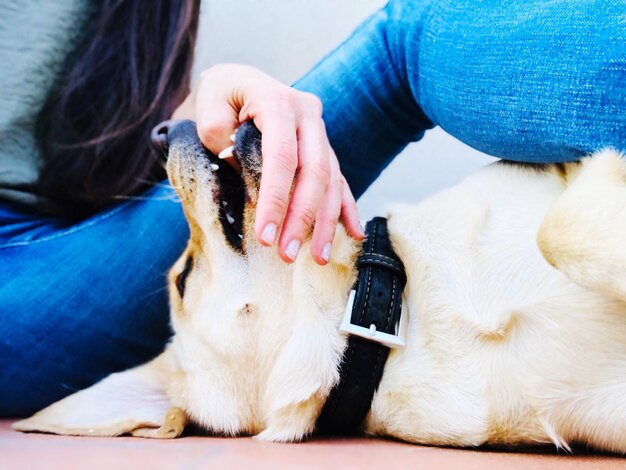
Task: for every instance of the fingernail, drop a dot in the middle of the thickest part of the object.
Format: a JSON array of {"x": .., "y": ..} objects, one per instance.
[
  {"x": 292, "y": 250},
  {"x": 226, "y": 153},
  {"x": 326, "y": 252},
  {"x": 362, "y": 227},
  {"x": 232, "y": 138},
  {"x": 269, "y": 233}
]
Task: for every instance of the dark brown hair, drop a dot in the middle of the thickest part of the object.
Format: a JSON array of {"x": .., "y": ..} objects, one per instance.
[{"x": 130, "y": 71}]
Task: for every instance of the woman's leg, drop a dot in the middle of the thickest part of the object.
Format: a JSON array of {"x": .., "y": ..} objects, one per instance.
[
  {"x": 370, "y": 110},
  {"x": 540, "y": 81},
  {"x": 79, "y": 303},
  {"x": 534, "y": 81}
]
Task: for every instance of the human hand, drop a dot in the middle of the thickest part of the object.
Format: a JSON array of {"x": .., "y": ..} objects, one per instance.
[{"x": 295, "y": 150}]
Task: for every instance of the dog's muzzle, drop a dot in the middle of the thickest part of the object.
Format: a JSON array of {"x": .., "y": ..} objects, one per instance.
[{"x": 159, "y": 133}]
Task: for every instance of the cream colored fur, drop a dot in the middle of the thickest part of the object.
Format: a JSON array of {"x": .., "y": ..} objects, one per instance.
[{"x": 502, "y": 347}]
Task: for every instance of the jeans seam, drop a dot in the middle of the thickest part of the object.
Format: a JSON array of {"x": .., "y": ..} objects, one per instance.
[
  {"x": 426, "y": 26},
  {"x": 69, "y": 231},
  {"x": 402, "y": 76},
  {"x": 96, "y": 219}
]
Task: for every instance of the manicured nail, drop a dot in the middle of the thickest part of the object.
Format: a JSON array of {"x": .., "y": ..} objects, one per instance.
[
  {"x": 326, "y": 252},
  {"x": 232, "y": 138},
  {"x": 362, "y": 228},
  {"x": 292, "y": 250},
  {"x": 269, "y": 233},
  {"x": 226, "y": 153}
]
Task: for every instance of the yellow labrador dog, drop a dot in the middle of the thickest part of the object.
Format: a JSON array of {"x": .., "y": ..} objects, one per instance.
[{"x": 515, "y": 297}]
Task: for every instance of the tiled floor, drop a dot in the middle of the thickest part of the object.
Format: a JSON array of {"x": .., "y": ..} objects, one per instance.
[{"x": 36, "y": 451}]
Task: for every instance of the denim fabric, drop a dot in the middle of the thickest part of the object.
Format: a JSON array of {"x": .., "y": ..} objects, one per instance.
[
  {"x": 539, "y": 81},
  {"x": 534, "y": 81},
  {"x": 79, "y": 302}
]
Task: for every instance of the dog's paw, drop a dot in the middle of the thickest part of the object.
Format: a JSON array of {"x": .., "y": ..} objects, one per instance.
[
  {"x": 289, "y": 434},
  {"x": 582, "y": 234}
]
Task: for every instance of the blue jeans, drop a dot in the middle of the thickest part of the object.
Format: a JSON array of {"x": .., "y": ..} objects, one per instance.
[
  {"x": 534, "y": 81},
  {"x": 537, "y": 81},
  {"x": 79, "y": 302}
]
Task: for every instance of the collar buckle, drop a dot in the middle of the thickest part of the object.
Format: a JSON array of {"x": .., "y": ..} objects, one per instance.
[{"x": 393, "y": 341}]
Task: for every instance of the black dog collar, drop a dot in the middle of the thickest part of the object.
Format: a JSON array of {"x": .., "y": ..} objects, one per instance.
[{"x": 375, "y": 323}]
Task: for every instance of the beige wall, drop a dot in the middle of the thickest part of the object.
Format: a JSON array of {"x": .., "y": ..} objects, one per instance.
[{"x": 285, "y": 38}]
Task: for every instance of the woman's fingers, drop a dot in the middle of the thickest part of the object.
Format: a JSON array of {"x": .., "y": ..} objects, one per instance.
[
  {"x": 350, "y": 213},
  {"x": 216, "y": 117},
  {"x": 280, "y": 161},
  {"x": 310, "y": 188},
  {"x": 339, "y": 202},
  {"x": 328, "y": 218},
  {"x": 302, "y": 189}
]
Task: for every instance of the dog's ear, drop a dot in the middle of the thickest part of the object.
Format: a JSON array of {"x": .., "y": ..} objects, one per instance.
[
  {"x": 132, "y": 402},
  {"x": 301, "y": 379}
]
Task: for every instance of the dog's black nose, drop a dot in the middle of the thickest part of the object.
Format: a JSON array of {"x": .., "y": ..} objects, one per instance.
[{"x": 158, "y": 135}]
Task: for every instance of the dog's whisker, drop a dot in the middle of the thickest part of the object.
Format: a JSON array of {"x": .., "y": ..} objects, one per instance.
[
  {"x": 69, "y": 387},
  {"x": 148, "y": 198},
  {"x": 158, "y": 184},
  {"x": 152, "y": 293}
]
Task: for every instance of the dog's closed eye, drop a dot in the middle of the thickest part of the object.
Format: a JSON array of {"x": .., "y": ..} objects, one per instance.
[{"x": 181, "y": 279}]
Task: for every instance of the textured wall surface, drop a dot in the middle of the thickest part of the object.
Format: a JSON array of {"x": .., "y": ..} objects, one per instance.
[{"x": 287, "y": 37}]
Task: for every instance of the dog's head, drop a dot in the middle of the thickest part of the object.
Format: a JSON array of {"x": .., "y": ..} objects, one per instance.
[
  {"x": 256, "y": 338},
  {"x": 256, "y": 347}
]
